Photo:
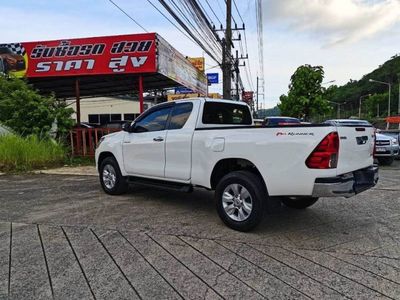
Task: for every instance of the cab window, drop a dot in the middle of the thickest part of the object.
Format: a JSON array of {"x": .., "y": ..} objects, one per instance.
[
  {"x": 226, "y": 113},
  {"x": 154, "y": 121},
  {"x": 180, "y": 114}
]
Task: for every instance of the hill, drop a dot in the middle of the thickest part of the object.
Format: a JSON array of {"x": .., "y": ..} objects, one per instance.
[{"x": 377, "y": 103}]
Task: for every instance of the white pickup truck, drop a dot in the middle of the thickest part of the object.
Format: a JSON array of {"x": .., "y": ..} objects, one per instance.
[{"x": 213, "y": 144}]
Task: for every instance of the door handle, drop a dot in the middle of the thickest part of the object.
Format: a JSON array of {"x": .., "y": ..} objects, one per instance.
[{"x": 158, "y": 139}]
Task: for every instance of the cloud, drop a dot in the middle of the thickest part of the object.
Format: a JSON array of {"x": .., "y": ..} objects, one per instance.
[{"x": 335, "y": 21}]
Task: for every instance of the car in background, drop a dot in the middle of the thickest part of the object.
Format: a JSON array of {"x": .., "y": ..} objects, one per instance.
[
  {"x": 115, "y": 124},
  {"x": 280, "y": 121},
  {"x": 86, "y": 125},
  {"x": 258, "y": 122},
  {"x": 386, "y": 149},
  {"x": 347, "y": 122},
  {"x": 12, "y": 61},
  {"x": 394, "y": 133}
]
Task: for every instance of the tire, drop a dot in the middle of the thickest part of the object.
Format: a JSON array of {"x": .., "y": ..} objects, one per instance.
[
  {"x": 299, "y": 203},
  {"x": 111, "y": 179},
  {"x": 385, "y": 161},
  {"x": 247, "y": 211}
]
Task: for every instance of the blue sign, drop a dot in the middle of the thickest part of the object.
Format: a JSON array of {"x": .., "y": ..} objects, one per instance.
[
  {"x": 183, "y": 90},
  {"x": 212, "y": 78}
]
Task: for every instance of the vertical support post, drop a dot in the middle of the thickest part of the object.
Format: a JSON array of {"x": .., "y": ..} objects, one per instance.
[
  {"x": 237, "y": 75},
  {"x": 141, "y": 100},
  {"x": 257, "y": 96},
  {"x": 390, "y": 92},
  {"x": 78, "y": 101},
  {"x": 398, "y": 109},
  {"x": 226, "y": 59}
]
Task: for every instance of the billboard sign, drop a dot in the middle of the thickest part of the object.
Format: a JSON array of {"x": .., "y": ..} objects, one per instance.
[
  {"x": 135, "y": 53},
  {"x": 247, "y": 96},
  {"x": 182, "y": 96},
  {"x": 212, "y": 78},
  {"x": 175, "y": 66},
  {"x": 183, "y": 90},
  {"x": 198, "y": 62}
]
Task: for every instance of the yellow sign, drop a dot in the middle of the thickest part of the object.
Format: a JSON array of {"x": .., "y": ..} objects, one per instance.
[
  {"x": 215, "y": 95},
  {"x": 198, "y": 62},
  {"x": 174, "y": 97}
]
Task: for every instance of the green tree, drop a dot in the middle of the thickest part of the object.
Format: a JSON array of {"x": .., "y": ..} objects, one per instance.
[
  {"x": 305, "y": 98},
  {"x": 24, "y": 110},
  {"x": 374, "y": 104}
]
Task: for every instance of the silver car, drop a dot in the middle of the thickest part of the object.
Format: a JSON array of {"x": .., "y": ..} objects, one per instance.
[{"x": 386, "y": 148}]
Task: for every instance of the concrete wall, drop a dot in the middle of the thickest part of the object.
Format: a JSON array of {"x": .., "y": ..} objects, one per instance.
[{"x": 105, "y": 105}]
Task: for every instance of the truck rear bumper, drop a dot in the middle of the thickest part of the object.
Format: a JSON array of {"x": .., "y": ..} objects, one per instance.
[{"x": 346, "y": 185}]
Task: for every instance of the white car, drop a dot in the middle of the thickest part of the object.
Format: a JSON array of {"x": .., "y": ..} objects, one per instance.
[{"x": 214, "y": 144}]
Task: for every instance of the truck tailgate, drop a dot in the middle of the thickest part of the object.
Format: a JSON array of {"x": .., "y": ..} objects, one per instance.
[{"x": 356, "y": 148}]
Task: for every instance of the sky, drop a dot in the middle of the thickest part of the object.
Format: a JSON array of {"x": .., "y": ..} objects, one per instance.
[{"x": 349, "y": 38}]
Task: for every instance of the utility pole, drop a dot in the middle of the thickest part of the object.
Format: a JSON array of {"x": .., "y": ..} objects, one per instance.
[
  {"x": 257, "y": 96},
  {"x": 398, "y": 109},
  {"x": 237, "y": 75},
  {"x": 226, "y": 59}
]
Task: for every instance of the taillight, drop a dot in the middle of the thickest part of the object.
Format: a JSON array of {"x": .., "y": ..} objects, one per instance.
[{"x": 326, "y": 154}]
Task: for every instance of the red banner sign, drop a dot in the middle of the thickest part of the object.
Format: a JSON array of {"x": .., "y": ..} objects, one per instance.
[
  {"x": 247, "y": 96},
  {"x": 135, "y": 53}
]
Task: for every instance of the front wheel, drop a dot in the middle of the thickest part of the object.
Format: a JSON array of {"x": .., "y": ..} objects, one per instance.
[
  {"x": 240, "y": 198},
  {"x": 299, "y": 202},
  {"x": 111, "y": 179}
]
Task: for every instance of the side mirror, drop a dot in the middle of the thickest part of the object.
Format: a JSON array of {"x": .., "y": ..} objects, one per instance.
[{"x": 126, "y": 127}]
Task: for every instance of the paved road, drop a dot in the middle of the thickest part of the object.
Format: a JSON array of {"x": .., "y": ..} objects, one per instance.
[{"x": 61, "y": 237}]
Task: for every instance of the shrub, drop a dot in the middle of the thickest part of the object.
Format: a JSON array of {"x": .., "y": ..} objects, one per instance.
[
  {"x": 27, "y": 153},
  {"x": 27, "y": 112}
]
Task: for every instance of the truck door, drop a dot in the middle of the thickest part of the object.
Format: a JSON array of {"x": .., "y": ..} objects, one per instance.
[
  {"x": 144, "y": 148},
  {"x": 179, "y": 143}
]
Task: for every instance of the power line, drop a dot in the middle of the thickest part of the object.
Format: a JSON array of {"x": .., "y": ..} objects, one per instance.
[
  {"x": 171, "y": 22},
  {"x": 126, "y": 14},
  {"x": 234, "y": 3},
  {"x": 213, "y": 12},
  {"x": 201, "y": 30},
  {"x": 184, "y": 26}
]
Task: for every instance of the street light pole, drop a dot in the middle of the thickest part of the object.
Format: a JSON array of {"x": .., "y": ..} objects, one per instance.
[
  {"x": 390, "y": 91},
  {"x": 359, "y": 106},
  {"x": 338, "y": 107}
]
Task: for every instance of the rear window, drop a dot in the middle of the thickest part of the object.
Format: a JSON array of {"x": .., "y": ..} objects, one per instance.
[{"x": 226, "y": 113}]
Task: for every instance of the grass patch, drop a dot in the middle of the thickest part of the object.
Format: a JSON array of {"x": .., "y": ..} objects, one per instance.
[
  {"x": 77, "y": 161},
  {"x": 24, "y": 154}
]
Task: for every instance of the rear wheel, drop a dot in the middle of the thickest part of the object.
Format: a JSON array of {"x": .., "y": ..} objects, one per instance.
[
  {"x": 111, "y": 179},
  {"x": 240, "y": 199},
  {"x": 385, "y": 161},
  {"x": 298, "y": 202}
]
